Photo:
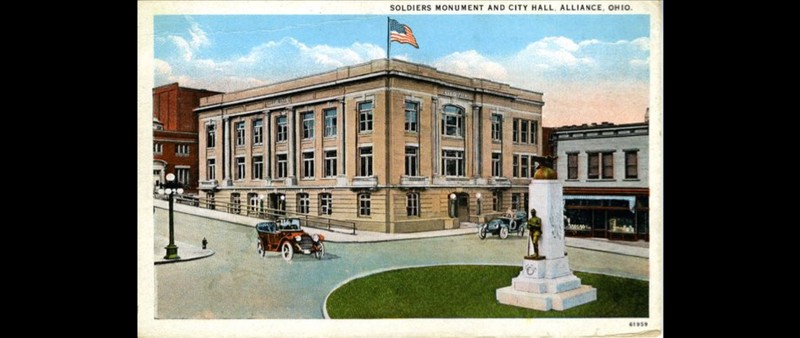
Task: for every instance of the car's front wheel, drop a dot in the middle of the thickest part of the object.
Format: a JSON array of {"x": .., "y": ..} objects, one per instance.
[
  {"x": 503, "y": 232},
  {"x": 320, "y": 251},
  {"x": 482, "y": 232},
  {"x": 287, "y": 251}
]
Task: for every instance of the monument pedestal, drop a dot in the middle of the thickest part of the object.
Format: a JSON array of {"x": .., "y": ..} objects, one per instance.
[{"x": 546, "y": 285}]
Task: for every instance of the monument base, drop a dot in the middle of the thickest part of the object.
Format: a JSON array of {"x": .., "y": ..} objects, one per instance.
[
  {"x": 547, "y": 301},
  {"x": 545, "y": 285}
]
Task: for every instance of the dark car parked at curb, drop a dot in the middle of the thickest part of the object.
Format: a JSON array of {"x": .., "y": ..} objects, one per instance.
[
  {"x": 286, "y": 236},
  {"x": 502, "y": 226}
]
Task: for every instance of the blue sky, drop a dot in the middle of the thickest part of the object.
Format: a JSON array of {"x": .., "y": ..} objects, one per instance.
[{"x": 591, "y": 68}]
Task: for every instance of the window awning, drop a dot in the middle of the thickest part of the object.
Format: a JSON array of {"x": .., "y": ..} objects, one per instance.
[{"x": 630, "y": 199}]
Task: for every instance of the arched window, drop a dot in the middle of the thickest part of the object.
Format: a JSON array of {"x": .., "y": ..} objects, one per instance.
[
  {"x": 325, "y": 203},
  {"x": 453, "y": 121}
]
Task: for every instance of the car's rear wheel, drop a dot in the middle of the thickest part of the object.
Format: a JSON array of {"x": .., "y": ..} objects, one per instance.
[
  {"x": 287, "y": 251},
  {"x": 503, "y": 232},
  {"x": 320, "y": 251},
  {"x": 260, "y": 249},
  {"x": 482, "y": 233}
]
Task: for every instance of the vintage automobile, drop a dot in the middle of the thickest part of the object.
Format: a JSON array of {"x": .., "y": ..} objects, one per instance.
[
  {"x": 503, "y": 225},
  {"x": 286, "y": 236}
]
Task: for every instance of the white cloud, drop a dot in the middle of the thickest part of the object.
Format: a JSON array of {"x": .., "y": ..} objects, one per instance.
[
  {"x": 640, "y": 62},
  {"x": 643, "y": 43},
  {"x": 554, "y": 52},
  {"x": 471, "y": 63}
]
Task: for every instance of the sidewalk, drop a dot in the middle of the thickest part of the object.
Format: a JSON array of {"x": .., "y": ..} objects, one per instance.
[
  {"x": 186, "y": 252},
  {"x": 636, "y": 249}
]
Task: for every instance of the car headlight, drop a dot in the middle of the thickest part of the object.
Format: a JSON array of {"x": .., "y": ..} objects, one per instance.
[
  {"x": 315, "y": 237},
  {"x": 297, "y": 238}
]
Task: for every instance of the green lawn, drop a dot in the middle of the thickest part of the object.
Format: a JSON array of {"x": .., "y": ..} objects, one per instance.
[{"x": 468, "y": 291}]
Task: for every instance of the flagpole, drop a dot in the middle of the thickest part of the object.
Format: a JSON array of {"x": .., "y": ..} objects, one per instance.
[{"x": 388, "y": 42}]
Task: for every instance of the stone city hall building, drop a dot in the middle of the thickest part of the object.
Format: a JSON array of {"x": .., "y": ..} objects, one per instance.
[{"x": 392, "y": 146}]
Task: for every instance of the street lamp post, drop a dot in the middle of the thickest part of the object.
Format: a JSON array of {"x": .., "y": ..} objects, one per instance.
[
  {"x": 282, "y": 207},
  {"x": 452, "y": 204},
  {"x": 478, "y": 196},
  {"x": 171, "y": 188}
]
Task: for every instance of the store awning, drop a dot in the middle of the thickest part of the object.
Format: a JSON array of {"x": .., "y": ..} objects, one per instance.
[{"x": 631, "y": 199}]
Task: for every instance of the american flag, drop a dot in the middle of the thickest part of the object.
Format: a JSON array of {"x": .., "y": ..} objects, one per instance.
[{"x": 401, "y": 33}]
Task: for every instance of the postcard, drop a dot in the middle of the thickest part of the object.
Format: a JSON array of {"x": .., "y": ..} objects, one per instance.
[{"x": 400, "y": 168}]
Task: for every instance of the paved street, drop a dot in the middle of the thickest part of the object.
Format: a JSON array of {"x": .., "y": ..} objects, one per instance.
[{"x": 237, "y": 283}]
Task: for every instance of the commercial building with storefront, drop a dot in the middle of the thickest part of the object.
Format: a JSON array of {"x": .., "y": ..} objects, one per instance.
[
  {"x": 604, "y": 170},
  {"x": 391, "y": 146},
  {"x": 175, "y": 134}
]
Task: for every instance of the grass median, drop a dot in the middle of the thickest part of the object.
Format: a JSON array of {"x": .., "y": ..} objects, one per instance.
[{"x": 468, "y": 291}]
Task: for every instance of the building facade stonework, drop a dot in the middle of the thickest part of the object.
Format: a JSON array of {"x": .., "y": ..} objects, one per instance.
[
  {"x": 604, "y": 169},
  {"x": 175, "y": 134},
  {"x": 392, "y": 146}
]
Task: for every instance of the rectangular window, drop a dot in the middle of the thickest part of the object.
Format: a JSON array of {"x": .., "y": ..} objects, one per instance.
[
  {"x": 258, "y": 132},
  {"x": 411, "y": 161},
  {"x": 608, "y": 165},
  {"x": 330, "y": 163},
  {"x": 497, "y": 199},
  {"x": 534, "y": 132},
  {"x": 632, "y": 164},
  {"x": 594, "y": 166},
  {"x": 572, "y": 166},
  {"x": 497, "y": 127},
  {"x": 524, "y": 166},
  {"x": 211, "y": 135},
  {"x": 453, "y": 121},
  {"x": 158, "y": 148},
  {"x": 210, "y": 201},
  {"x": 497, "y": 165},
  {"x": 240, "y": 168},
  {"x": 365, "y": 116},
  {"x": 258, "y": 167},
  {"x": 281, "y": 165},
  {"x": 364, "y": 205},
  {"x": 281, "y": 133},
  {"x": 325, "y": 204},
  {"x": 515, "y": 166},
  {"x": 239, "y": 133},
  {"x": 235, "y": 207},
  {"x": 182, "y": 175},
  {"x": 308, "y": 125},
  {"x": 330, "y": 122},
  {"x": 515, "y": 199},
  {"x": 452, "y": 163},
  {"x": 412, "y": 204},
  {"x": 365, "y": 161},
  {"x": 302, "y": 203},
  {"x": 182, "y": 150},
  {"x": 525, "y": 202},
  {"x": 211, "y": 172},
  {"x": 308, "y": 164},
  {"x": 515, "y": 133},
  {"x": 412, "y": 113},
  {"x": 523, "y": 131}
]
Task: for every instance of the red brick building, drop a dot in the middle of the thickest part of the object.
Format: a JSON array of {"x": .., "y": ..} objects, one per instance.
[{"x": 175, "y": 133}]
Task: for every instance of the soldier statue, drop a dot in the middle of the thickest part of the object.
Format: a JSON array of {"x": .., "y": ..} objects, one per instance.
[{"x": 535, "y": 229}]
